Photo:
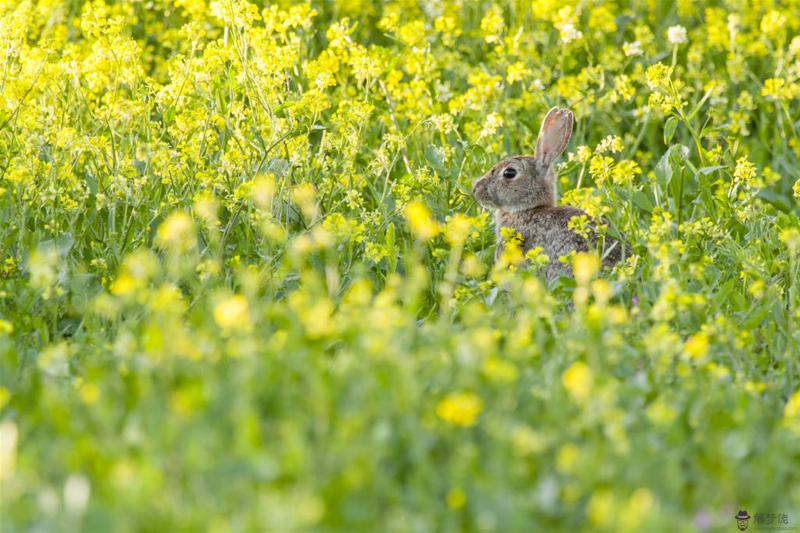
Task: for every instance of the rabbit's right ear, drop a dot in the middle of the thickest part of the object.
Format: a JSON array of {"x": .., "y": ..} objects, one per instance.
[{"x": 553, "y": 136}]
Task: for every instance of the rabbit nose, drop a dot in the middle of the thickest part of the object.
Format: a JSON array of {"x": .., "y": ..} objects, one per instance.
[{"x": 479, "y": 184}]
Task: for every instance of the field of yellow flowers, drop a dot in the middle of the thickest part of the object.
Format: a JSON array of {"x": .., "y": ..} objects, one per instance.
[{"x": 244, "y": 285}]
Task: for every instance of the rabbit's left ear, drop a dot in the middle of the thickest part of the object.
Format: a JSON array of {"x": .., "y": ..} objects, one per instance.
[{"x": 553, "y": 136}]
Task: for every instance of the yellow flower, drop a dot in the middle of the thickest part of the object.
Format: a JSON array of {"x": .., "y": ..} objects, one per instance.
[
  {"x": 8, "y": 448},
  {"x": 639, "y": 505},
  {"x": 317, "y": 318},
  {"x": 567, "y": 458},
  {"x": 581, "y": 154},
  {"x": 176, "y": 232},
  {"x": 448, "y": 27},
  {"x": 511, "y": 248},
  {"x": 89, "y": 393},
  {"x": 773, "y": 88},
  {"x": 661, "y": 412},
  {"x": 602, "y": 508},
  {"x": 44, "y": 266},
  {"x": 658, "y": 76},
  {"x": 565, "y": 22},
  {"x": 304, "y": 195},
  {"x": 490, "y": 125},
  {"x": 577, "y": 379},
  {"x": 492, "y": 24},
  {"x": 745, "y": 172},
  {"x": 5, "y": 397},
  {"x": 602, "y": 291},
  {"x": 696, "y": 346},
  {"x": 232, "y": 313},
  {"x": 124, "y": 285},
  {"x": 205, "y": 207},
  {"x": 791, "y": 237},
  {"x": 772, "y": 23},
  {"x": 602, "y": 19},
  {"x": 499, "y": 370},
  {"x": 456, "y": 498},
  {"x": 457, "y": 228},
  {"x": 537, "y": 257},
  {"x": 525, "y": 441},
  {"x": 792, "y": 409},
  {"x": 517, "y": 72},
  {"x": 472, "y": 266},
  {"x": 625, "y": 171},
  {"x": 235, "y": 12},
  {"x": 460, "y": 408},
  {"x": 601, "y": 167},
  {"x": 757, "y": 288},
  {"x": 413, "y": 33},
  {"x": 584, "y": 267},
  {"x": 420, "y": 221},
  {"x": 611, "y": 143}
]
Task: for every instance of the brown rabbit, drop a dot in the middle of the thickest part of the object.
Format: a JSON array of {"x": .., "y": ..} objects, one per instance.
[{"x": 522, "y": 190}]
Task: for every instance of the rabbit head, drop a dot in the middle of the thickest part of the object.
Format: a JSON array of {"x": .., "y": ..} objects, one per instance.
[{"x": 525, "y": 182}]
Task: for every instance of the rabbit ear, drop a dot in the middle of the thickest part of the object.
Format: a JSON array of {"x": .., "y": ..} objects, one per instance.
[{"x": 554, "y": 135}]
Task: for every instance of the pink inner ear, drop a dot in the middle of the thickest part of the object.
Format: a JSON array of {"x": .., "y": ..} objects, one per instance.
[
  {"x": 549, "y": 122},
  {"x": 554, "y": 134}
]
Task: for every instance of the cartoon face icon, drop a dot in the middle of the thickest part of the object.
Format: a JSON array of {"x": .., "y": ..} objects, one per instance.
[{"x": 742, "y": 520}]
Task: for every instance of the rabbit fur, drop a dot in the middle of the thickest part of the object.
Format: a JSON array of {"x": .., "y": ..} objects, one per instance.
[{"x": 522, "y": 191}]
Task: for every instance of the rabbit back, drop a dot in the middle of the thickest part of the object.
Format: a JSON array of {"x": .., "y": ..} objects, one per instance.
[{"x": 548, "y": 228}]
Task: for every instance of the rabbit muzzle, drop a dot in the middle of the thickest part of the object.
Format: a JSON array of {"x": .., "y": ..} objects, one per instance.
[{"x": 482, "y": 193}]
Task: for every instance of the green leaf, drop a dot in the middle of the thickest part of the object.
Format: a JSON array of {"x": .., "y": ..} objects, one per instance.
[
  {"x": 664, "y": 167},
  {"x": 669, "y": 129},
  {"x": 700, "y": 104},
  {"x": 435, "y": 157},
  {"x": 708, "y": 170},
  {"x": 642, "y": 201},
  {"x": 391, "y": 252},
  {"x": 779, "y": 201}
]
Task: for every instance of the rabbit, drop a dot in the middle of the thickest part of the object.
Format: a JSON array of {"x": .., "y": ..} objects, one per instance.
[{"x": 522, "y": 191}]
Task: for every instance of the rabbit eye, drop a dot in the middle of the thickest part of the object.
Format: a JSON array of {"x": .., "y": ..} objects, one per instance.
[{"x": 509, "y": 173}]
